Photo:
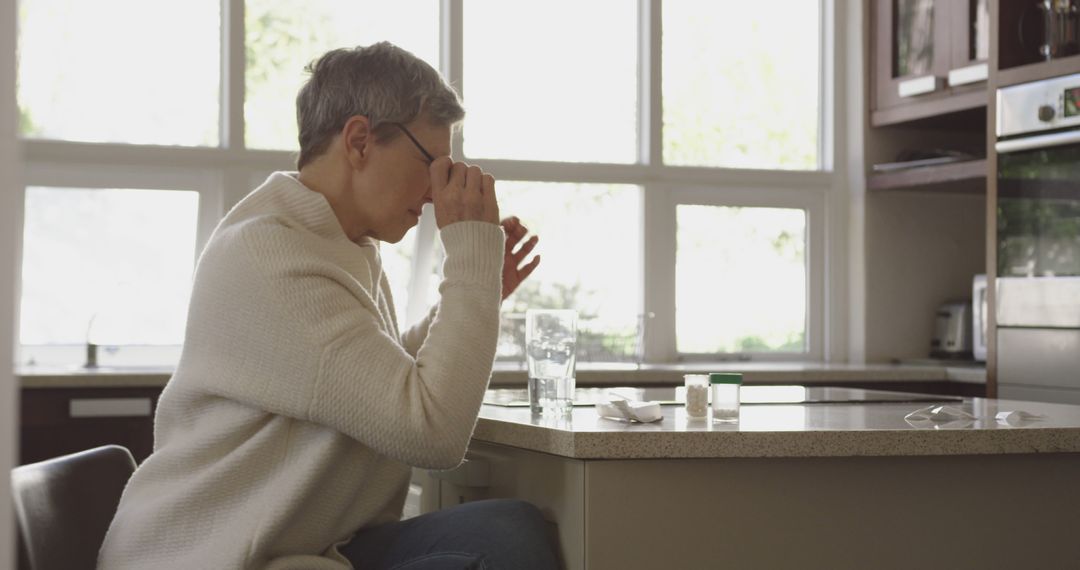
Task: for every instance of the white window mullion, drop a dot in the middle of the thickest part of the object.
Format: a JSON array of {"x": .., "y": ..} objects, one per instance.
[
  {"x": 658, "y": 235},
  {"x": 451, "y": 57},
  {"x": 827, "y": 87},
  {"x": 650, "y": 98},
  {"x": 233, "y": 64},
  {"x": 658, "y": 212}
]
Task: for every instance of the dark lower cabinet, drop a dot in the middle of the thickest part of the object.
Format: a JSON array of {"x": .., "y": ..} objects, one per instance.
[{"x": 57, "y": 421}]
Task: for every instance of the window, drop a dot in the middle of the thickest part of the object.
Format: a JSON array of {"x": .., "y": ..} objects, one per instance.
[
  {"x": 282, "y": 37},
  {"x": 741, "y": 278},
  {"x": 121, "y": 71},
  {"x": 671, "y": 155},
  {"x": 105, "y": 266},
  {"x": 538, "y": 86},
  {"x": 588, "y": 265},
  {"x": 759, "y": 109}
]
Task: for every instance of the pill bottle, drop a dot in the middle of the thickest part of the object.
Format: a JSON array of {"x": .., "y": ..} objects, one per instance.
[
  {"x": 697, "y": 395},
  {"x": 725, "y": 396}
]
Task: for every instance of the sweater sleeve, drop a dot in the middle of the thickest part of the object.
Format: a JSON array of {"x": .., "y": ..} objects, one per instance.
[
  {"x": 412, "y": 338},
  {"x": 420, "y": 411}
]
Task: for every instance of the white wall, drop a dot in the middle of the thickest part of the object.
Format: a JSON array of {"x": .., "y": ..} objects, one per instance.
[
  {"x": 909, "y": 251},
  {"x": 922, "y": 249},
  {"x": 10, "y": 210},
  {"x": 854, "y": 174}
]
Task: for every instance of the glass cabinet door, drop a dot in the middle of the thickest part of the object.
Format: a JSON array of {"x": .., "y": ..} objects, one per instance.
[
  {"x": 913, "y": 37},
  {"x": 929, "y": 51},
  {"x": 970, "y": 44},
  {"x": 913, "y": 50},
  {"x": 978, "y": 26}
]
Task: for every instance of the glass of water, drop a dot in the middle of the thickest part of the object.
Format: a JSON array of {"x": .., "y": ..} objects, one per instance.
[{"x": 550, "y": 350}]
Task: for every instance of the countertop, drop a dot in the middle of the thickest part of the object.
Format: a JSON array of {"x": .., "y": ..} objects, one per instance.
[
  {"x": 511, "y": 374},
  {"x": 789, "y": 430}
]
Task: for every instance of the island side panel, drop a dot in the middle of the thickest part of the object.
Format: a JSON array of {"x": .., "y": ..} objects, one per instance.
[
  {"x": 1004, "y": 511},
  {"x": 554, "y": 484}
]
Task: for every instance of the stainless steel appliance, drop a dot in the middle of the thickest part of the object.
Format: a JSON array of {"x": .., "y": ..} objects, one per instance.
[
  {"x": 978, "y": 318},
  {"x": 952, "y": 331},
  {"x": 1038, "y": 240}
]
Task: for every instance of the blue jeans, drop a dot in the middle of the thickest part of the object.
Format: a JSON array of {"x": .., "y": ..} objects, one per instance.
[{"x": 495, "y": 534}]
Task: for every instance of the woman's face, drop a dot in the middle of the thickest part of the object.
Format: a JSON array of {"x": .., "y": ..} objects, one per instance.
[{"x": 397, "y": 183}]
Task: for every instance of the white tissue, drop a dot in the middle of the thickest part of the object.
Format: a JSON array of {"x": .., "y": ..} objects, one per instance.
[
  {"x": 938, "y": 414},
  {"x": 1017, "y": 417},
  {"x": 630, "y": 410}
]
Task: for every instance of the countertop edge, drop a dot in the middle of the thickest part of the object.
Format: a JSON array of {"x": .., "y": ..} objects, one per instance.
[{"x": 779, "y": 444}]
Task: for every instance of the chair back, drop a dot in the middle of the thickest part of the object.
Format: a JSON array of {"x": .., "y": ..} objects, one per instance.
[{"x": 64, "y": 505}]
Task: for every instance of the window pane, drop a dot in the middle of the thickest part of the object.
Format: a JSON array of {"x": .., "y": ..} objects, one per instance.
[
  {"x": 110, "y": 266},
  {"x": 543, "y": 83},
  {"x": 740, "y": 84},
  {"x": 123, "y": 71},
  {"x": 592, "y": 267},
  {"x": 284, "y": 36},
  {"x": 740, "y": 279}
]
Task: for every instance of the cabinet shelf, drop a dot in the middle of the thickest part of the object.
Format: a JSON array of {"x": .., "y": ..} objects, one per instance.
[
  {"x": 1037, "y": 71},
  {"x": 965, "y": 177},
  {"x": 935, "y": 108}
]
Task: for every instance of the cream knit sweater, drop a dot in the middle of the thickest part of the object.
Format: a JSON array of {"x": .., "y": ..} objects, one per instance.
[{"x": 297, "y": 408}]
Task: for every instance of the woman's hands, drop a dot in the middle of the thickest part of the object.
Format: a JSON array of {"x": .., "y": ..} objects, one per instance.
[
  {"x": 465, "y": 193},
  {"x": 513, "y": 271},
  {"x": 462, "y": 193}
]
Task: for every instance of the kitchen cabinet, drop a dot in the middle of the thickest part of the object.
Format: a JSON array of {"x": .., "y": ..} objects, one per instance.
[
  {"x": 57, "y": 421},
  {"x": 930, "y": 57},
  {"x": 1025, "y": 51}
]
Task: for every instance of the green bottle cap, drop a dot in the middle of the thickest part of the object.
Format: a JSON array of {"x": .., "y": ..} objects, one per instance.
[{"x": 725, "y": 378}]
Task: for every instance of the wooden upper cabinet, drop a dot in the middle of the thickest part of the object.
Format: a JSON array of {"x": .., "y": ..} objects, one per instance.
[{"x": 930, "y": 57}]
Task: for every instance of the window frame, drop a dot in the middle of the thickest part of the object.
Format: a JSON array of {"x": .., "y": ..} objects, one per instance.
[{"x": 225, "y": 174}]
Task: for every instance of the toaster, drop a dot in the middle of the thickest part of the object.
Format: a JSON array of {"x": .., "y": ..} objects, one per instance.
[{"x": 952, "y": 330}]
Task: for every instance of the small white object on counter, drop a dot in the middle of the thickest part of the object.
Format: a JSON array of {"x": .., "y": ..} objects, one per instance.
[
  {"x": 1018, "y": 417},
  {"x": 627, "y": 410},
  {"x": 697, "y": 395},
  {"x": 725, "y": 396}
]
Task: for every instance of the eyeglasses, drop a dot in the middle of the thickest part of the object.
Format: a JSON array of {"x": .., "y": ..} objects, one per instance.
[{"x": 427, "y": 154}]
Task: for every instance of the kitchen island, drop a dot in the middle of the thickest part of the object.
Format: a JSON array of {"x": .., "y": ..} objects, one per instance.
[{"x": 838, "y": 485}]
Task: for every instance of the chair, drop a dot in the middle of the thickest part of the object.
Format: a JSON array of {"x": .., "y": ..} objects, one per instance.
[{"x": 63, "y": 506}]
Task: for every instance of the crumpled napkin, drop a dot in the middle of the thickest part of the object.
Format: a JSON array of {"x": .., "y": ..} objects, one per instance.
[{"x": 619, "y": 408}]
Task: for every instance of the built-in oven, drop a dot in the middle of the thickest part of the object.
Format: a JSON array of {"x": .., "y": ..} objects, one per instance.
[{"x": 1038, "y": 240}]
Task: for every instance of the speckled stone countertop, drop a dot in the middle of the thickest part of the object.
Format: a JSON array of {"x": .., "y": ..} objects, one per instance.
[
  {"x": 509, "y": 374},
  {"x": 789, "y": 430}
]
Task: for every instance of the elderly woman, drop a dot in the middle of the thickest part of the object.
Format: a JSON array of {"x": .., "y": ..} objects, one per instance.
[{"x": 286, "y": 436}]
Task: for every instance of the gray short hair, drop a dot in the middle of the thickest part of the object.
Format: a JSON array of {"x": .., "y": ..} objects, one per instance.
[{"x": 382, "y": 82}]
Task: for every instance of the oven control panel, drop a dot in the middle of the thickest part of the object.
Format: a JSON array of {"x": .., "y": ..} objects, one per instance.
[{"x": 1039, "y": 106}]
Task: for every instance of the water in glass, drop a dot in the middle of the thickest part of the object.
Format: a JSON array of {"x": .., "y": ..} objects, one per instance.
[{"x": 551, "y": 339}]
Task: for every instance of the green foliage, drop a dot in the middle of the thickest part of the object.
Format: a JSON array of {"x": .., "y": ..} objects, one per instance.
[
  {"x": 753, "y": 343},
  {"x": 27, "y": 126},
  {"x": 607, "y": 345}
]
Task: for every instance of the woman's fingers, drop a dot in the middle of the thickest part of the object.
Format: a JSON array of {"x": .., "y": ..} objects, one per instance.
[
  {"x": 525, "y": 250},
  {"x": 462, "y": 193}
]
